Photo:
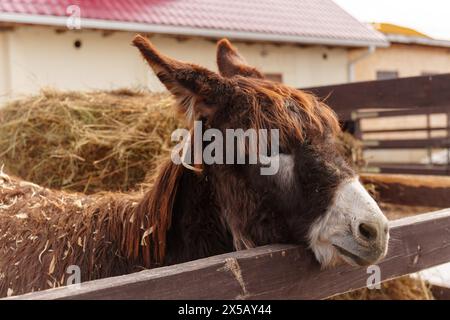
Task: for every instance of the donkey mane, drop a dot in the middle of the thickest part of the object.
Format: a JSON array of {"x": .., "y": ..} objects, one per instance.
[
  {"x": 155, "y": 212},
  {"x": 306, "y": 116}
]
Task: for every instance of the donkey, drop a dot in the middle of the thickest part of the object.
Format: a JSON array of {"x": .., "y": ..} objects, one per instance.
[{"x": 315, "y": 198}]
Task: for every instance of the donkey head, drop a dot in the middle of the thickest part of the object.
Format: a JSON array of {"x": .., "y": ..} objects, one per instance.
[{"x": 312, "y": 197}]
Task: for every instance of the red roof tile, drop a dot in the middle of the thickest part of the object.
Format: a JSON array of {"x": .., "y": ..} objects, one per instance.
[{"x": 319, "y": 21}]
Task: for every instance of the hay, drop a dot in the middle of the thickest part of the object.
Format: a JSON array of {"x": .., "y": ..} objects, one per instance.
[
  {"x": 352, "y": 149},
  {"x": 86, "y": 142},
  {"x": 403, "y": 288}
]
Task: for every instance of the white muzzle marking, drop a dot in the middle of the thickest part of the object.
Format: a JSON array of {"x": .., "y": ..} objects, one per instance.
[{"x": 353, "y": 229}]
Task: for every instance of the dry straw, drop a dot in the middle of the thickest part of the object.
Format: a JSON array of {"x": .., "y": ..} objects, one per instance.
[
  {"x": 86, "y": 142},
  {"x": 403, "y": 288}
]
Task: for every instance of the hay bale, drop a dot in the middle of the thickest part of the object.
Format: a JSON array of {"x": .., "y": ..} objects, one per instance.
[
  {"x": 86, "y": 142},
  {"x": 352, "y": 150}
]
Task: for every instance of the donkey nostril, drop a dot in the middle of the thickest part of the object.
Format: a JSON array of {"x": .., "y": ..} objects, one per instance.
[{"x": 368, "y": 231}]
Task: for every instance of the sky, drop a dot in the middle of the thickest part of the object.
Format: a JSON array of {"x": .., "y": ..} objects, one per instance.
[{"x": 431, "y": 17}]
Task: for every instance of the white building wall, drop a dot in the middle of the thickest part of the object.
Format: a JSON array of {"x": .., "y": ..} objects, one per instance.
[
  {"x": 40, "y": 56},
  {"x": 300, "y": 67},
  {"x": 4, "y": 66}
]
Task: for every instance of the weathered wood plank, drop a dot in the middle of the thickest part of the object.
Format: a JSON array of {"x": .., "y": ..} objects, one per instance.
[
  {"x": 272, "y": 272},
  {"x": 416, "y": 129},
  {"x": 408, "y": 169},
  {"x": 426, "y": 91},
  {"x": 368, "y": 114},
  {"x": 407, "y": 143},
  {"x": 413, "y": 190},
  {"x": 440, "y": 293}
]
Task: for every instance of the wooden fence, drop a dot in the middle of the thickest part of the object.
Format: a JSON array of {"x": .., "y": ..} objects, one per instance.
[
  {"x": 422, "y": 97},
  {"x": 272, "y": 272}
]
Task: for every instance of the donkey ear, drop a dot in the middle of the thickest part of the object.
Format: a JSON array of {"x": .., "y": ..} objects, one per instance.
[
  {"x": 231, "y": 63},
  {"x": 199, "y": 92}
]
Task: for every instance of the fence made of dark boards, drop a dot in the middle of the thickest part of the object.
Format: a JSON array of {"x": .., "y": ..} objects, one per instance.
[
  {"x": 272, "y": 272},
  {"x": 417, "y": 109}
]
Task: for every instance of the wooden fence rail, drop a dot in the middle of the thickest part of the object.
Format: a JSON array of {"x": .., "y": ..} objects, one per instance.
[
  {"x": 424, "y": 97},
  {"x": 272, "y": 272},
  {"x": 415, "y": 92}
]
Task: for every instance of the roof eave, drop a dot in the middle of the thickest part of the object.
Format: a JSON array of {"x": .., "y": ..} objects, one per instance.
[
  {"x": 189, "y": 31},
  {"x": 418, "y": 41}
]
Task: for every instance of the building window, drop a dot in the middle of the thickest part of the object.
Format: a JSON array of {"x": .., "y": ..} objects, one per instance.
[
  {"x": 386, "y": 75},
  {"x": 277, "y": 77}
]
